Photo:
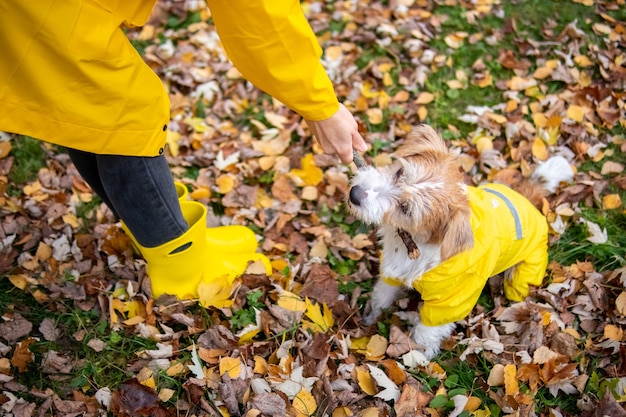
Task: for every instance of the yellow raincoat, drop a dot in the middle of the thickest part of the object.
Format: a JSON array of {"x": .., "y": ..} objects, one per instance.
[
  {"x": 508, "y": 231},
  {"x": 69, "y": 75}
]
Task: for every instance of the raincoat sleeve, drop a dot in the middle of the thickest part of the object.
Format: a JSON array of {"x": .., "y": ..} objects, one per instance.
[
  {"x": 273, "y": 46},
  {"x": 132, "y": 12}
]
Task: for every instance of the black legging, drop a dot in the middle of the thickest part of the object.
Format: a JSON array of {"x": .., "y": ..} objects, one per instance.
[{"x": 140, "y": 192}]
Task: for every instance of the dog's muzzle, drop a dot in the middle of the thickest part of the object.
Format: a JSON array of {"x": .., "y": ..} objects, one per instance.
[{"x": 357, "y": 194}]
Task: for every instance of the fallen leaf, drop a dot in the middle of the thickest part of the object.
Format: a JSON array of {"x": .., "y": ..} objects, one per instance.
[
  {"x": 611, "y": 201},
  {"x": 231, "y": 366},
  {"x": 364, "y": 378},
  {"x": 511, "y": 386},
  {"x": 322, "y": 321},
  {"x": 304, "y": 403}
]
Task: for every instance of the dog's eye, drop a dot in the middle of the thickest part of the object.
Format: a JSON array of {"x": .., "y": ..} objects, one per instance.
[
  {"x": 399, "y": 173},
  {"x": 404, "y": 208}
]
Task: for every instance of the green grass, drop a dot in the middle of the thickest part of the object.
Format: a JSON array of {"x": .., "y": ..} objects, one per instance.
[
  {"x": 92, "y": 370},
  {"x": 30, "y": 157},
  {"x": 573, "y": 245}
]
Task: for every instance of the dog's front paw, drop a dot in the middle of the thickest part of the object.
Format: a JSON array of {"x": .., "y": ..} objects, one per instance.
[
  {"x": 430, "y": 337},
  {"x": 371, "y": 317}
]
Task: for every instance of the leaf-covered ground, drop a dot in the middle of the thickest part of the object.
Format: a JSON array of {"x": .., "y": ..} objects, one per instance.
[{"x": 507, "y": 84}]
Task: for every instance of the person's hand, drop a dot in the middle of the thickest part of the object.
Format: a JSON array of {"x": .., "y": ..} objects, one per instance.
[{"x": 339, "y": 134}]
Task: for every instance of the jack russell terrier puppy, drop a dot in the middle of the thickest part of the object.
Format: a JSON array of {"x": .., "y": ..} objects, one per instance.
[{"x": 445, "y": 239}]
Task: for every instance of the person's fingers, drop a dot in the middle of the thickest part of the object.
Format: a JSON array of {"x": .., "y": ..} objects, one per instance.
[{"x": 358, "y": 143}]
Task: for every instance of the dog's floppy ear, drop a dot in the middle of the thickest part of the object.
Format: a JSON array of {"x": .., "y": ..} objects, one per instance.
[
  {"x": 458, "y": 235},
  {"x": 422, "y": 141}
]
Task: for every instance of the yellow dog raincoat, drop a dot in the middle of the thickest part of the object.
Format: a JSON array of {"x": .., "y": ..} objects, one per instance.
[
  {"x": 508, "y": 231},
  {"x": 70, "y": 76}
]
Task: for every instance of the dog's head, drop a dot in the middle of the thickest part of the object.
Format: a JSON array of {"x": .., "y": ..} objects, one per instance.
[{"x": 421, "y": 192}]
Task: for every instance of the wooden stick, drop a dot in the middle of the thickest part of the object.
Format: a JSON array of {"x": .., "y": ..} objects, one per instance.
[
  {"x": 358, "y": 160},
  {"x": 411, "y": 246}
]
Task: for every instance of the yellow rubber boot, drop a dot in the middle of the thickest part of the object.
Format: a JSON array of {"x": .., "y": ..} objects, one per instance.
[
  {"x": 178, "y": 266},
  {"x": 227, "y": 239}
]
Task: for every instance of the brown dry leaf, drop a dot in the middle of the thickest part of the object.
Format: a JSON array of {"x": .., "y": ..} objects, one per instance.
[
  {"x": 620, "y": 303},
  {"x": 22, "y": 356},
  {"x": 394, "y": 371}
]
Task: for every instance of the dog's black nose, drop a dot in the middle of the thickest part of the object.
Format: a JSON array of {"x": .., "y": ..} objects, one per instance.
[{"x": 356, "y": 195}]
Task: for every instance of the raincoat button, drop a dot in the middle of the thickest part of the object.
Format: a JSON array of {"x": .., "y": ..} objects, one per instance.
[
  {"x": 164, "y": 128},
  {"x": 160, "y": 151}
]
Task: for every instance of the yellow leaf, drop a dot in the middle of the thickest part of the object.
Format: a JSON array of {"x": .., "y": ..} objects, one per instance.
[
  {"x": 542, "y": 72},
  {"x": 171, "y": 138},
  {"x": 197, "y": 124},
  {"x": 422, "y": 113},
  {"x": 232, "y": 366},
  {"x": 5, "y": 148},
  {"x": 613, "y": 332},
  {"x": 484, "y": 80},
  {"x": 455, "y": 40},
  {"x": 165, "y": 394},
  {"x": 387, "y": 80},
  {"x": 620, "y": 303},
  {"x": 365, "y": 381},
  {"x": 576, "y": 113},
  {"x": 359, "y": 344},
  {"x": 19, "y": 281},
  {"x": 472, "y": 404},
  {"x": 225, "y": 183},
  {"x": 375, "y": 116},
  {"x": 178, "y": 369},
  {"x": 322, "y": 321},
  {"x": 70, "y": 219},
  {"x": 334, "y": 52},
  {"x": 248, "y": 336},
  {"x": 290, "y": 301},
  {"x": 383, "y": 100},
  {"x": 367, "y": 92},
  {"x": 304, "y": 403},
  {"x": 583, "y": 61},
  {"x": 498, "y": 118},
  {"x": 309, "y": 174},
  {"x": 200, "y": 194},
  {"x": 425, "y": 98},
  {"x": 540, "y": 150},
  {"x": 260, "y": 365},
  {"x": 371, "y": 412},
  {"x": 511, "y": 106},
  {"x": 342, "y": 412},
  {"x": 511, "y": 385},
  {"x": 540, "y": 120},
  {"x": 376, "y": 347},
  {"x": 215, "y": 294},
  {"x": 611, "y": 201},
  {"x": 483, "y": 144}
]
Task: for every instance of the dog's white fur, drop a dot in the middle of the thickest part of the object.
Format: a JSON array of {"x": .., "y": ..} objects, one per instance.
[{"x": 426, "y": 181}]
